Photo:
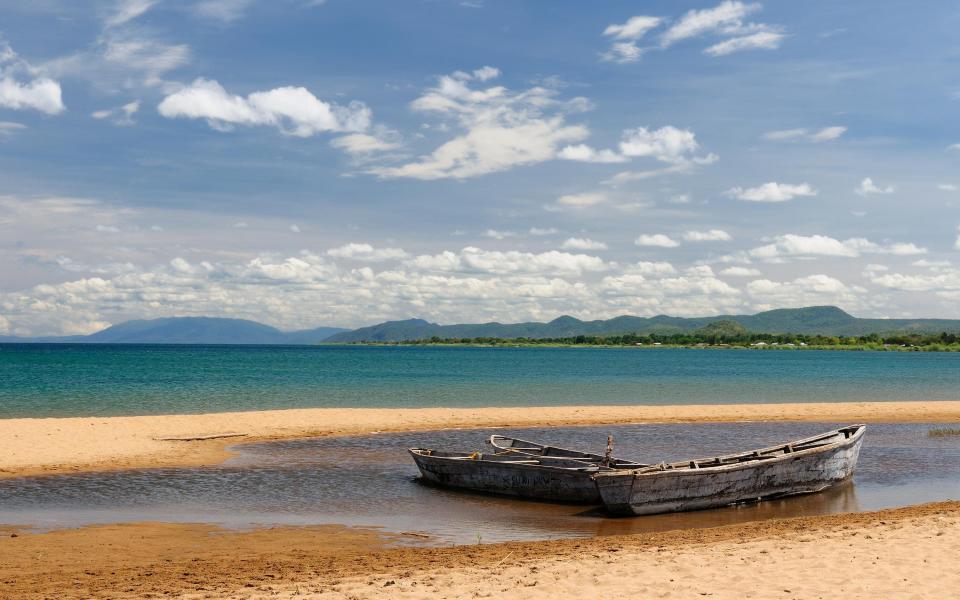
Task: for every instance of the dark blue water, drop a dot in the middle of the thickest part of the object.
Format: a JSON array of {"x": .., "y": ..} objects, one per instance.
[
  {"x": 370, "y": 481},
  {"x": 67, "y": 379}
]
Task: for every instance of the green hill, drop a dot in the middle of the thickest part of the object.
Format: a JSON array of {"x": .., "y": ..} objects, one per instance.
[{"x": 822, "y": 320}]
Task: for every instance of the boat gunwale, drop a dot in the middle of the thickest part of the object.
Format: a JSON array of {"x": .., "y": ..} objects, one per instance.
[
  {"x": 683, "y": 468},
  {"x": 534, "y": 463}
]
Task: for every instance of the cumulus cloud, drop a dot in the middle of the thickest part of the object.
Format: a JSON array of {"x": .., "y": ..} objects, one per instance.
[
  {"x": 771, "y": 192},
  {"x": 293, "y": 110},
  {"x": 740, "y": 272},
  {"x": 823, "y": 135},
  {"x": 671, "y": 145},
  {"x": 366, "y": 252},
  {"x": 792, "y": 245},
  {"x": 657, "y": 239},
  {"x": 582, "y": 244},
  {"x": 501, "y": 129},
  {"x": 711, "y": 235},
  {"x": 499, "y": 235},
  {"x": 21, "y": 90},
  {"x": 816, "y": 289},
  {"x": 472, "y": 259},
  {"x": 585, "y": 153},
  {"x": 868, "y": 188}
]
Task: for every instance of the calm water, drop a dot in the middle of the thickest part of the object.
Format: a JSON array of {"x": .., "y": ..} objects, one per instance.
[
  {"x": 370, "y": 481},
  {"x": 60, "y": 380}
]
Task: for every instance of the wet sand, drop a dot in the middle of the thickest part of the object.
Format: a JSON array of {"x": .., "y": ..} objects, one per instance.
[
  {"x": 66, "y": 445},
  {"x": 905, "y": 553}
]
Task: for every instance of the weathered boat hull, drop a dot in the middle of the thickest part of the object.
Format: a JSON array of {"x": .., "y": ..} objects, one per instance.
[
  {"x": 647, "y": 491},
  {"x": 533, "y": 481}
]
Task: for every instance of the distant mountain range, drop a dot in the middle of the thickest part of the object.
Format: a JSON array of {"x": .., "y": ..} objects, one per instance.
[
  {"x": 192, "y": 330},
  {"x": 824, "y": 320}
]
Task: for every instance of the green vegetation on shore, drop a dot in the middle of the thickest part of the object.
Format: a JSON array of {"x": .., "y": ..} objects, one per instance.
[{"x": 719, "y": 334}]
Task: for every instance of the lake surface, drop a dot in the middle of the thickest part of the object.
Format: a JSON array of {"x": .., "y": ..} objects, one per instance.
[
  {"x": 84, "y": 379},
  {"x": 370, "y": 481}
]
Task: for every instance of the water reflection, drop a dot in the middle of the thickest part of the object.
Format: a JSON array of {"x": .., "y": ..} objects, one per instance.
[{"x": 370, "y": 481}]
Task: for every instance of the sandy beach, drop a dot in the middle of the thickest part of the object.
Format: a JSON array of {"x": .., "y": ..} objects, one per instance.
[
  {"x": 65, "y": 445},
  {"x": 899, "y": 553}
]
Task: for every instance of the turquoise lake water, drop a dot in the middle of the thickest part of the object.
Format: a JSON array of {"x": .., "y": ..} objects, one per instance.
[{"x": 68, "y": 379}]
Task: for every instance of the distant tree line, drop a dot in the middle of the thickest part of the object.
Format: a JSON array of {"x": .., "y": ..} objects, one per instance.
[{"x": 721, "y": 337}]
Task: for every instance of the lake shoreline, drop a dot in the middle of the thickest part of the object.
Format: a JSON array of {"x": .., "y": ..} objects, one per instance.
[
  {"x": 50, "y": 446},
  {"x": 805, "y": 557}
]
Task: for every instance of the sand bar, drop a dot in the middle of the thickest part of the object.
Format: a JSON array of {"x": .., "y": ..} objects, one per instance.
[
  {"x": 64, "y": 445},
  {"x": 898, "y": 553}
]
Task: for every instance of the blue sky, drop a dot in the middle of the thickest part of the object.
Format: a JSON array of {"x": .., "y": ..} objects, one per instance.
[{"x": 344, "y": 162}]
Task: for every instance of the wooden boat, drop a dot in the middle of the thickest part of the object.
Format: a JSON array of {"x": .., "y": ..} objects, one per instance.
[
  {"x": 801, "y": 467},
  {"x": 514, "y": 473}
]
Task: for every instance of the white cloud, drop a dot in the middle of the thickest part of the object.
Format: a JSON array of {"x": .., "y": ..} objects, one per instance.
[
  {"x": 792, "y": 245},
  {"x": 585, "y": 153},
  {"x": 634, "y": 28},
  {"x": 366, "y": 252},
  {"x": 127, "y": 10},
  {"x": 471, "y": 259},
  {"x": 37, "y": 93},
  {"x": 822, "y": 135},
  {"x": 499, "y": 235},
  {"x": 122, "y": 115},
  {"x": 771, "y": 192},
  {"x": 293, "y": 110},
  {"x": 222, "y": 10},
  {"x": 658, "y": 239},
  {"x": 947, "y": 187},
  {"x": 945, "y": 282},
  {"x": 364, "y": 144},
  {"x": 583, "y": 244},
  {"x": 679, "y": 199},
  {"x": 712, "y": 235},
  {"x": 295, "y": 228},
  {"x": 868, "y": 187},
  {"x": 502, "y": 129},
  {"x": 957, "y": 243},
  {"x": 816, "y": 289},
  {"x": 668, "y": 144},
  {"x": 740, "y": 272},
  {"x": 623, "y": 47},
  {"x": 761, "y": 40},
  {"x": 578, "y": 201},
  {"x": 953, "y": 147},
  {"x": 543, "y": 231},
  {"x": 8, "y": 128},
  {"x": 727, "y": 16}
]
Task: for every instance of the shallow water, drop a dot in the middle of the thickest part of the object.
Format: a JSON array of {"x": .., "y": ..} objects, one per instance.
[
  {"x": 45, "y": 380},
  {"x": 370, "y": 481}
]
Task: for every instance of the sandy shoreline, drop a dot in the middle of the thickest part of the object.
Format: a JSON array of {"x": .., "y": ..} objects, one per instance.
[
  {"x": 903, "y": 552},
  {"x": 65, "y": 445}
]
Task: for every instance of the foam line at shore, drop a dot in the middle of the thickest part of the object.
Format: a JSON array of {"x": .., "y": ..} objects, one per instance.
[{"x": 78, "y": 444}]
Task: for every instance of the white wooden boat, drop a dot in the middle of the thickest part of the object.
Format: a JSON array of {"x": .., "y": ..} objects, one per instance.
[
  {"x": 801, "y": 467},
  {"x": 556, "y": 478}
]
